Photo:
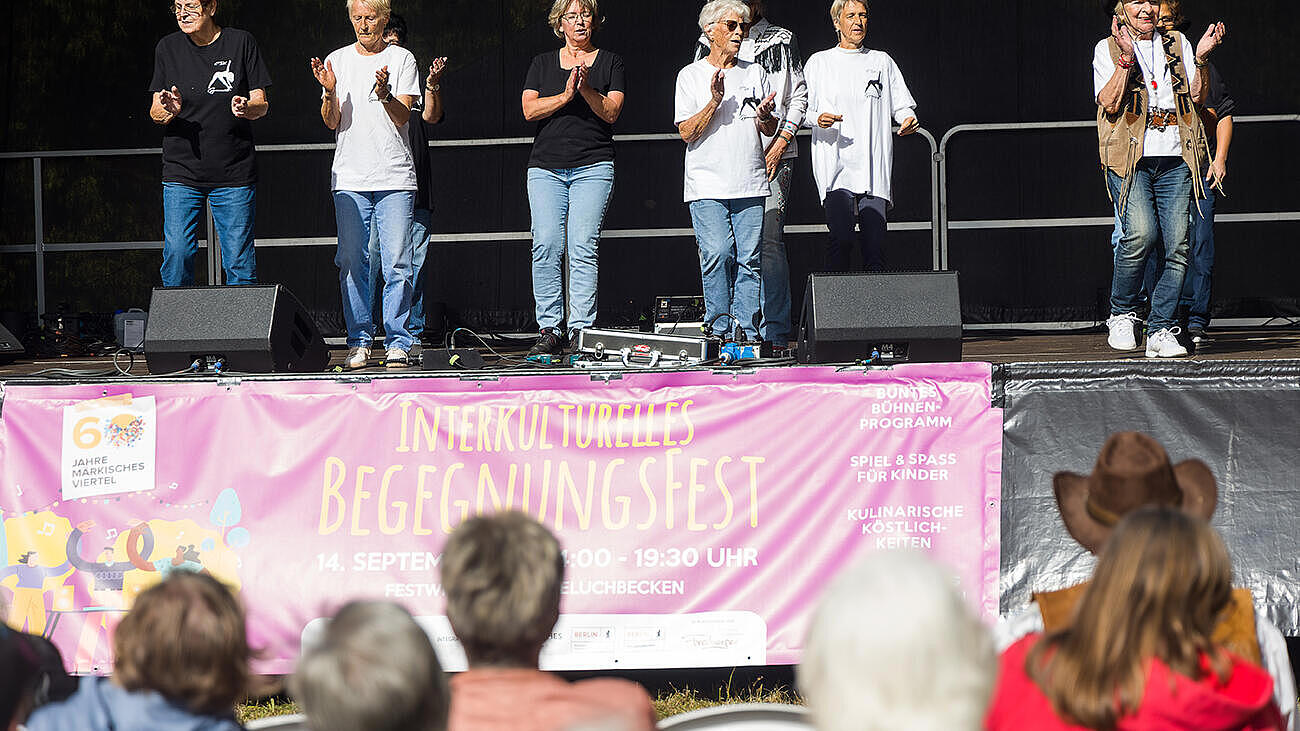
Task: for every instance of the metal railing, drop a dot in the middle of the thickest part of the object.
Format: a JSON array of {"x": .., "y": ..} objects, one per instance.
[
  {"x": 40, "y": 247},
  {"x": 946, "y": 226}
]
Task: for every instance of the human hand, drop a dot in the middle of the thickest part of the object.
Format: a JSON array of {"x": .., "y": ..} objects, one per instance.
[
  {"x": 718, "y": 86},
  {"x": 381, "y": 89},
  {"x": 324, "y": 73},
  {"x": 239, "y": 106},
  {"x": 1121, "y": 36},
  {"x": 571, "y": 86},
  {"x": 1214, "y": 35},
  {"x": 171, "y": 100},
  {"x": 436, "y": 70},
  {"x": 908, "y": 126},
  {"x": 775, "y": 152},
  {"x": 584, "y": 79},
  {"x": 765, "y": 107},
  {"x": 827, "y": 120},
  {"x": 1217, "y": 173}
]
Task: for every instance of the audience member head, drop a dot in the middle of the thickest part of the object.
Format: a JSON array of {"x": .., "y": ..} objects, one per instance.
[
  {"x": 502, "y": 575},
  {"x": 185, "y": 639},
  {"x": 1163, "y": 579},
  {"x": 893, "y": 645},
  {"x": 374, "y": 669},
  {"x": 1171, "y": 16},
  {"x": 395, "y": 31},
  {"x": 1132, "y": 471}
]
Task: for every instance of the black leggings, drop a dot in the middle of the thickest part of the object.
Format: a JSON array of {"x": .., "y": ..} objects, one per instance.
[{"x": 844, "y": 212}]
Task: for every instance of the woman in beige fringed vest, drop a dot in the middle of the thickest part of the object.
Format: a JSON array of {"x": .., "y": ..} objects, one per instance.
[{"x": 1152, "y": 147}]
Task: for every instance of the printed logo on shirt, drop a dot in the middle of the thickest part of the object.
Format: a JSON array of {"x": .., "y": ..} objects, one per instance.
[
  {"x": 223, "y": 79},
  {"x": 874, "y": 87},
  {"x": 749, "y": 104}
]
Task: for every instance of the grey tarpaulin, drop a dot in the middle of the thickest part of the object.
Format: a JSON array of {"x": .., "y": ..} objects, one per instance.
[{"x": 1239, "y": 417}]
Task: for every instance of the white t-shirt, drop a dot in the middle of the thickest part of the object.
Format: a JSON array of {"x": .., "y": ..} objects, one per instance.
[
  {"x": 867, "y": 89},
  {"x": 372, "y": 153},
  {"x": 726, "y": 162},
  {"x": 1158, "y": 143}
]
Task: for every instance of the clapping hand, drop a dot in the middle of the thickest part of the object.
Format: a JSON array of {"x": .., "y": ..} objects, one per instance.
[
  {"x": 766, "y": 107},
  {"x": 324, "y": 73},
  {"x": 171, "y": 100},
  {"x": 908, "y": 126},
  {"x": 381, "y": 89},
  {"x": 584, "y": 78},
  {"x": 239, "y": 106},
  {"x": 718, "y": 86},
  {"x": 1213, "y": 37},
  {"x": 571, "y": 86},
  {"x": 436, "y": 70},
  {"x": 828, "y": 120}
]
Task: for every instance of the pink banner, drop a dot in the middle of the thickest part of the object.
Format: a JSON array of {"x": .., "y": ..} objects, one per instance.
[{"x": 701, "y": 513}]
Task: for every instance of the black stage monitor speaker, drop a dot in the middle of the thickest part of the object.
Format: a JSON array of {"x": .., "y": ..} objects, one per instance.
[
  {"x": 901, "y": 317},
  {"x": 10, "y": 348},
  {"x": 255, "y": 328}
]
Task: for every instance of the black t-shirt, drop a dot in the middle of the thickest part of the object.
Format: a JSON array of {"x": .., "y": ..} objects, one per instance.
[
  {"x": 573, "y": 136},
  {"x": 206, "y": 145},
  {"x": 418, "y": 132},
  {"x": 1219, "y": 101}
]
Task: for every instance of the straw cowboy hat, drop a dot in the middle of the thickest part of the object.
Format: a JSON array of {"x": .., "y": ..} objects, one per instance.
[{"x": 1132, "y": 470}]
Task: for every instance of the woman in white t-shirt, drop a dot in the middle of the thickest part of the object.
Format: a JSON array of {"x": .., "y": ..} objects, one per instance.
[
  {"x": 368, "y": 88},
  {"x": 854, "y": 92},
  {"x": 723, "y": 106}
]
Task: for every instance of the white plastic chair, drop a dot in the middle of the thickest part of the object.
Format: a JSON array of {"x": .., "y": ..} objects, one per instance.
[
  {"x": 741, "y": 717},
  {"x": 292, "y": 722}
]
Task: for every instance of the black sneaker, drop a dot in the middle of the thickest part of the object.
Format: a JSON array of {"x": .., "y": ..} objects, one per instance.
[
  {"x": 1199, "y": 335},
  {"x": 550, "y": 342}
]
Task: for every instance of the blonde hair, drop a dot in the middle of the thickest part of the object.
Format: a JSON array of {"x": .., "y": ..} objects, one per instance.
[
  {"x": 382, "y": 8},
  {"x": 1162, "y": 581},
  {"x": 560, "y": 7},
  {"x": 837, "y": 7},
  {"x": 713, "y": 11},
  {"x": 502, "y": 575}
]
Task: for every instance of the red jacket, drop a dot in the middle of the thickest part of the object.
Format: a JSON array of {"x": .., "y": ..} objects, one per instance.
[{"x": 1245, "y": 702}]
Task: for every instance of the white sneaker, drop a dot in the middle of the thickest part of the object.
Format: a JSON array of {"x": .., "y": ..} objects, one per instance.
[
  {"x": 1123, "y": 331},
  {"x": 1164, "y": 344},
  {"x": 396, "y": 358},
  {"x": 358, "y": 357}
]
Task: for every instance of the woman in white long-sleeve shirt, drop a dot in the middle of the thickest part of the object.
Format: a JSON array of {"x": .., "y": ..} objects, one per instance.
[{"x": 854, "y": 92}]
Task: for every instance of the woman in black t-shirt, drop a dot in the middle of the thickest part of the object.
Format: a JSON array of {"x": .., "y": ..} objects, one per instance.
[{"x": 575, "y": 95}]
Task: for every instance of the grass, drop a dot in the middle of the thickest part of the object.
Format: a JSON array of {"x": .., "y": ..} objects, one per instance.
[{"x": 667, "y": 703}]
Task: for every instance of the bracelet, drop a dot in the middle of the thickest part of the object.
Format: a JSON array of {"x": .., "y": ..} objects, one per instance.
[
  {"x": 1128, "y": 65},
  {"x": 433, "y": 88},
  {"x": 1199, "y": 63}
]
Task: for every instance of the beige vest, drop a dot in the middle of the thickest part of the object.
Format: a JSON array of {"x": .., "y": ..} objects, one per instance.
[
  {"x": 1121, "y": 136},
  {"x": 1235, "y": 631}
]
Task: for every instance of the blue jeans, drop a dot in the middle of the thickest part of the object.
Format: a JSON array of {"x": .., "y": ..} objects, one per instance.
[
  {"x": 1156, "y": 210},
  {"x": 728, "y": 233},
  {"x": 775, "y": 326},
  {"x": 420, "y": 221},
  {"x": 568, "y": 208},
  {"x": 389, "y": 211},
  {"x": 233, "y": 210},
  {"x": 1195, "y": 296}
]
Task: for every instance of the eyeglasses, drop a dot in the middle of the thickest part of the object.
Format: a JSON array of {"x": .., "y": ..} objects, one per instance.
[
  {"x": 732, "y": 25},
  {"x": 180, "y": 10},
  {"x": 574, "y": 17}
]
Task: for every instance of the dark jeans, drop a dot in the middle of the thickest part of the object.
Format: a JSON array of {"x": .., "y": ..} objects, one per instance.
[
  {"x": 844, "y": 211},
  {"x": 1156, "y": 211},
  {"x": 1195, "y": 296}
]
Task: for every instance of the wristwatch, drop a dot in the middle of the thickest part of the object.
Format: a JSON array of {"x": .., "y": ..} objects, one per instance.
[
  {"x": 388, "y": 97},
  {"x": 435, "y": 88}
]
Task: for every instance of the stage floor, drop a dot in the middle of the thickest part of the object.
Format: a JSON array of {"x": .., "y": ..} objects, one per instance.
[{"x": 987, "y": 346}]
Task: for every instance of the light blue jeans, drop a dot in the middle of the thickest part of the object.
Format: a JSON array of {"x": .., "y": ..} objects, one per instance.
[
  {"x": 775, "y": 326},
  {"x": 389, "y": 211},
  {"x": 233, "y": 210},
  {"x": 420, "y": 221},
  {"x": 568, "y": 208},
  {"x": 1156, "y": 212},
  {"x": 728, "y": 234}
]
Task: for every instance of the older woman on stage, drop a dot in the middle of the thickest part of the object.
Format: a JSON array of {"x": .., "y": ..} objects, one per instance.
[
  {"x": 575, "y": 94},
  {"x": 723, "y": 107},
  {"x": 367, "y": 89},
  {"x": 853, "y": 93}
]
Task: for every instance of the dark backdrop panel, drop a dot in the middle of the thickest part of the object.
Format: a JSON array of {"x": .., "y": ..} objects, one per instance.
[
  {"x": 1239, "y": 418},
  {"x": 995, "y": 61}
]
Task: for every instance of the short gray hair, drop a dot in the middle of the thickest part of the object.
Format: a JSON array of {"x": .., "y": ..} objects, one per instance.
[
  {"x": 502, "y": 576},
  {"x": 837, "y": 7},
  {"x": 893, "y": 645},
  {"x": 382, "y": 8},
  {"x": 716, "y": 10},
  {"x": 374, "y": 669}
]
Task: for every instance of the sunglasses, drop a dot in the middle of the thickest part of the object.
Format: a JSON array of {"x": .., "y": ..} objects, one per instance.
[{"x": 732, "y": 25}]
